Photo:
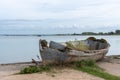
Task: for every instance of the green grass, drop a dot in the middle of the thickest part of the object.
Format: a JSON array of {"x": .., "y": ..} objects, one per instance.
[
  {"x": 91, "y": 68},
  {"x": 116, "y": 57},
  {"x": 88, "y": 66},
  {"x": 35, "y": 69},
  {"x": 30, "y": 69},
  {"x": 99, "y": 73}
]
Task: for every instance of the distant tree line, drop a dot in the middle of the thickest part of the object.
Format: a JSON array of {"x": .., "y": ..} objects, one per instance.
[{"x": 116, "y": 32}]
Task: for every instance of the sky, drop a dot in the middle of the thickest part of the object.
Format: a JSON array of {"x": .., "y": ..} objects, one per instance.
[{"x": 58, "y": 16}]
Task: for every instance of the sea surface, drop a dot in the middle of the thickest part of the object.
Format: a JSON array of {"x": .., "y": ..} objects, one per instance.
[{"x": 23, "y": 48}]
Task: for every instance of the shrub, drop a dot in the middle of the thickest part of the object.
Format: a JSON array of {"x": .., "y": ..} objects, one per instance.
[
  {"x": 83, "y": 63},
  {"x": 34, "y": 69},
  {"x": 45, "y": 68},
  {"x": 30, "y": 69}
]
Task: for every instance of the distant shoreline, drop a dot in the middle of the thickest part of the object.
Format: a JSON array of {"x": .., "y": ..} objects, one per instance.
[
  {"x": 57, "y": 35},
  {"x": 116, "y": 32}
]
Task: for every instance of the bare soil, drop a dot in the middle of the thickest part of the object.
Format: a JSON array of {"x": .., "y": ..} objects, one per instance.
[{"x": 8, "y": 72}]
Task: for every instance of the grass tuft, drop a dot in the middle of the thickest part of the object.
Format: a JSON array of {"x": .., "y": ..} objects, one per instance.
[
  {"x": 35, "y": 69},
  {"x": 30, "y": 69},
  {"x": 88, "y": 66}
]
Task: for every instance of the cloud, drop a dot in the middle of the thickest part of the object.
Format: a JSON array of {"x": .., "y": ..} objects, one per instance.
[
  {"x": 59, "y": 14},
  {"x": 65, "y": 9}
]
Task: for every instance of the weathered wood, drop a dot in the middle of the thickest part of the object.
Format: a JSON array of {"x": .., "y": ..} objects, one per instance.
[
  {"x": 57, "y": 46},
  {"x": 43, "y": 43},
  {"x": 57, "y": 53},
  {"x": 36, "y": 62},
  {"x": 53, "y": 56}
]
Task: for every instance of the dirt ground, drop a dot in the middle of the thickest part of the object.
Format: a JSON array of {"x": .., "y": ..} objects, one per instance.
[
  {"x": 8, "y": 72},
  {"x": 112, "y": 68}
]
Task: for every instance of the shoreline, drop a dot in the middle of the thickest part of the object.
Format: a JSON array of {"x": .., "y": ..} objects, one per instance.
[
  {"x": 107, "y": 58},
  {"x": 16, "y": 63},
  {"x": 9, "y": 71},
  {"x": 39, "y": 35}
]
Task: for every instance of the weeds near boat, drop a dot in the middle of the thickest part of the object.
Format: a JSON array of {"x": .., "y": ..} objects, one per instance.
[
  {"x": 88, "y": 66},
  {"x": 91, "y": 68},
  {"x": 116, "y": 57},
  {"x": 30, "y": 69},
  {"x": 34, "y": 69}
]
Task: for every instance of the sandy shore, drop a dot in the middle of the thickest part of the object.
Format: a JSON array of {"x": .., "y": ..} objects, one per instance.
[
  {"x": 66, "y": 74},
  {"x": 112, "y": 68},
  {"x": 8, "y": 72}
]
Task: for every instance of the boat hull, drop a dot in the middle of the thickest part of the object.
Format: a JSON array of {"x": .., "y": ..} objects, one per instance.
[{"x": 50, "y": 55}]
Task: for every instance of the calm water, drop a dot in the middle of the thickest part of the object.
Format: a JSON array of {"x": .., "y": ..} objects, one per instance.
[{"x": 22, "y": 49}]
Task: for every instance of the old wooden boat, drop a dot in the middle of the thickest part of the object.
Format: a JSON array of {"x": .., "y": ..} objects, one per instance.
[{"x": 91, "y": 48}]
